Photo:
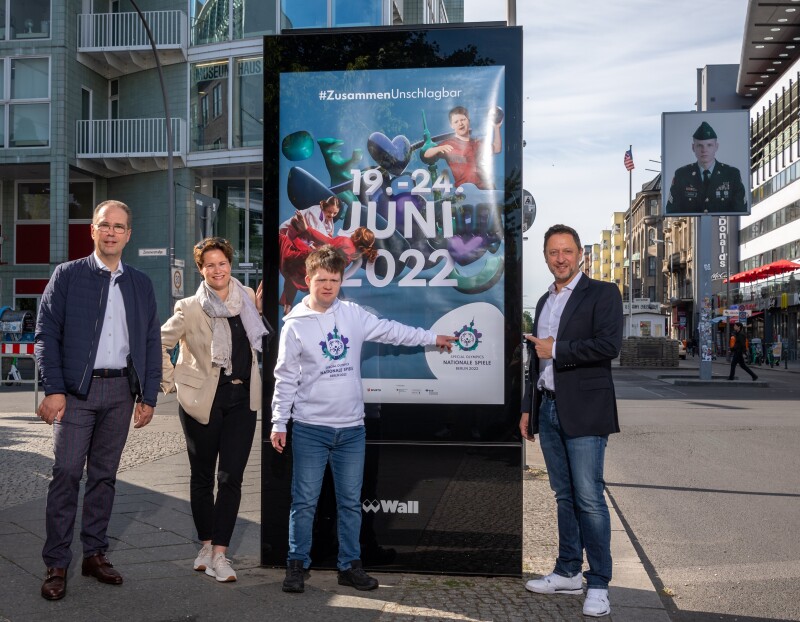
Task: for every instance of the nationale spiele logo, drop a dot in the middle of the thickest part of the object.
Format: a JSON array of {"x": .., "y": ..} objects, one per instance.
[
  {"x": 468, "y": 338},
  {"x": 335, "y": 348},
  {"x": 390, "y": 506}
]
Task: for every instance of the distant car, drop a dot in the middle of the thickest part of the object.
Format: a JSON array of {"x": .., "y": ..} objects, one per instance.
[{"x": 681, "y": 350}]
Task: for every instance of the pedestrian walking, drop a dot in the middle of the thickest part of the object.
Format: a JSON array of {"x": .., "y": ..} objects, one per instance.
[{"x": 738, "y": 348}]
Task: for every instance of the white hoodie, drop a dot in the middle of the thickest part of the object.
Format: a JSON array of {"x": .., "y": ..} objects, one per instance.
[{"x": 318, "y": 373}]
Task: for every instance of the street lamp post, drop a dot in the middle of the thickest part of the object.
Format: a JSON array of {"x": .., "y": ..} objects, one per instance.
[{"x": 170, "y": 169}]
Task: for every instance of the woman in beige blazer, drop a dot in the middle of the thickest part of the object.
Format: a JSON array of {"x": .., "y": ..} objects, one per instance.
[{"x": 219, "y": 391}]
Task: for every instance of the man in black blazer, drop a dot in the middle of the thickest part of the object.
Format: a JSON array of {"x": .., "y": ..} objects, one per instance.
[{"x": 570, "y": 402}]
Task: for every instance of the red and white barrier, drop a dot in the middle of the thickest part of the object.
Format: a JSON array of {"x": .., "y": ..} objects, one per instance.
[{"x": 17, "y": 348}]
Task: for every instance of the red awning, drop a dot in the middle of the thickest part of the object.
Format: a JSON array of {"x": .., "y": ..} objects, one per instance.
[{"x": 762, "y": 272}]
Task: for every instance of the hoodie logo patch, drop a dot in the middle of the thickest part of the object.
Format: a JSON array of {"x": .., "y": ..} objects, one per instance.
[{"x": 336, "y": 347}]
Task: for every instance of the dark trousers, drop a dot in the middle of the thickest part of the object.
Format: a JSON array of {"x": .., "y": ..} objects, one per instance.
[
  {"x": 738, "y": 359},
  {"x": 229, "y": 437},
  {"x": 92, "y": 433}
]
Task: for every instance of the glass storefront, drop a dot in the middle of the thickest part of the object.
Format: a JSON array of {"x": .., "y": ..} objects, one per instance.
[{"x": 241, "y": 221}]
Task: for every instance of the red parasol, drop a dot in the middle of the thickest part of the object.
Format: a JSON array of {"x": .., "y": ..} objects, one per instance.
[{"x": 762, "y": 272}]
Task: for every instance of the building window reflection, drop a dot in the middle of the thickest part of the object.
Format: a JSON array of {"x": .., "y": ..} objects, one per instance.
[
  {"x": 304, "y": 13},
  {"x": 248, "y": 96},
  {"x": 240, "y": 221},
  {"x": 209, "y": 80},
  {"x": 215, "y": 21}
]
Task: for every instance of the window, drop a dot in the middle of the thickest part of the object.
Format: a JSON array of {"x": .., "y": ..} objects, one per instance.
[
  {"x": 248, "y": 103},
  {"x": 33, "y": 201},
  {"x": 215, "y": 21},
  {"x": 32, "y": 212},
  {"x": 27, "y": 102},
  {"x": 358, "y": 13},
  {"x": 208, "y": 79},
  {"x": 210, "y": 19},
  {"x": 340, "y": 13},
  {"x": 651, "y": 266},
  {"x": 240, "y": 220},
  {"x": 217, "y": 103},
  {"x": 304, "y": 13},
  {"x": 81, "y": 201},
  {"x": 253, "y": 18},
  {"x": 27, "y": 19}
]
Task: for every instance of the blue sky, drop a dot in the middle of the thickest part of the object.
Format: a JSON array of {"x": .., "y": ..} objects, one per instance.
[{"x": 598, "y": 75}]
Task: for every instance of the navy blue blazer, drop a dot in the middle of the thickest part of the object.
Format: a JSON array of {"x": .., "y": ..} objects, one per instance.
[{"x": 589, "y": 338}]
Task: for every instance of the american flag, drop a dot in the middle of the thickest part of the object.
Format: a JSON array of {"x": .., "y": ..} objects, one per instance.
[{"x": 629, "y": 160}]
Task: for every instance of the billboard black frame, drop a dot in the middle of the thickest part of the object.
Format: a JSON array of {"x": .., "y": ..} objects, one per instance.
[{"x": 495, "y": 428}]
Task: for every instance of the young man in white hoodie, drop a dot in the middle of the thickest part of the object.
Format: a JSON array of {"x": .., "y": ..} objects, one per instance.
[{"x": 318, "y": 385}]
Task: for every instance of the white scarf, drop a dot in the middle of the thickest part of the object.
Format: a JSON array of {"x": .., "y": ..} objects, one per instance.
[{"x": 237, "y": 303}]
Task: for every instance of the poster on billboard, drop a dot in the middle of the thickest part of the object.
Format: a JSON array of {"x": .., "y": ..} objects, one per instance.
[
  {"x": 706, "y": 157},
  {"x": 404, "y": 169}
]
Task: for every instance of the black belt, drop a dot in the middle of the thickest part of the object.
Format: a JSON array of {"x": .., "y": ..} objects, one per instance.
[
  {"x": 548, "y": 393},
  {"x": 109, "y": 373}
]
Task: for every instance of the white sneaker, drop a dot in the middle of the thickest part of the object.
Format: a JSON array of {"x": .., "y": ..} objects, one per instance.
[
  {"x": 596, "y": 603},
  {"x": 203, "y": 559},
  {"x": 220, "y": 569},
  {"x": 556, "y": 584}
]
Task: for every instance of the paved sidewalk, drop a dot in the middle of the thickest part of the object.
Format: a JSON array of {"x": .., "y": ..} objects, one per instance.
[{"x": 153, "y": 546}]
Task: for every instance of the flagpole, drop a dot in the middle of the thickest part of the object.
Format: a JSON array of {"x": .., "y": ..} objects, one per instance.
[{"x": 630, "y": 247}]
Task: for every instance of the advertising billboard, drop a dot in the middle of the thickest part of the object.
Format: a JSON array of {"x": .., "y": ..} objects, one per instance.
[
  {"x": 417, "y": 157},
  {"x": 402, "y": 147},
  {"x": 706, "y": 155}
]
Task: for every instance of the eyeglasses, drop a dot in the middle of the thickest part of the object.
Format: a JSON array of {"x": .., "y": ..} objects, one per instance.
[
  {"x": 211, "y": 241},
  {"x": 105, "y": 227}
]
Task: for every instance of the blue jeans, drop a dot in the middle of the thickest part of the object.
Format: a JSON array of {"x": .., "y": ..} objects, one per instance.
[
  {"x": 313, "y": 447},
  {"x": 575, "y": 468}
]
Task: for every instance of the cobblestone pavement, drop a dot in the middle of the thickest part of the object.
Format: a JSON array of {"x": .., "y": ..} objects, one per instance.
[
  {"x": 26, "y": 458},
  {"x": 153, "y": 543}
]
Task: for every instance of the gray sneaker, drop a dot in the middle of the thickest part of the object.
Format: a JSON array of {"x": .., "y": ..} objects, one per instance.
[
  {"x": 221, "y": 569},
  {"x": 357, "y": 578},
  {"x": 203, "y": 559}
]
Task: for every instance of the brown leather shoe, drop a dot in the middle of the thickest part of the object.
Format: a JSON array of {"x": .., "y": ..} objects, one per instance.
[
  {"x": 55, "y": 584},
  {"x": 100, "y": 568}
]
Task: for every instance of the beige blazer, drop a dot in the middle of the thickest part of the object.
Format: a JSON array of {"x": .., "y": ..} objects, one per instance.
[{"x": 194, "y": 377}]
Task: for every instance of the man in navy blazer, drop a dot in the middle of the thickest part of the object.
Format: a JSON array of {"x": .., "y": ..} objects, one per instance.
[{"x": 570, "y": 402}]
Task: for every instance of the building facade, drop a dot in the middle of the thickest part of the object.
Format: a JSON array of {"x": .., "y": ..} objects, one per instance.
[
  {"x": 771, "y": 232},
  {"x": 83, "y": 120}
]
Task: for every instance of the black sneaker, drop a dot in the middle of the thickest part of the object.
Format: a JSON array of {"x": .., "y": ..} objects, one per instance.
[
  {"x": 294, "y": 577},
  {"x": 357, "y": 578}
]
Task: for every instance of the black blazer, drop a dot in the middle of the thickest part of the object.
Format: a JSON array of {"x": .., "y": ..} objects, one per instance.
[{"x": 589, "y": 338}]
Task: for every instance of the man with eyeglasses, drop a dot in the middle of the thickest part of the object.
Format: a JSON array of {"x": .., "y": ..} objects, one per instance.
[{"x": 98, "y": 345}]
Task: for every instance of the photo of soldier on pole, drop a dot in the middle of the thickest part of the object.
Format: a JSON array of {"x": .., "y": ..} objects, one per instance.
[{"x": 707, "y": 185}]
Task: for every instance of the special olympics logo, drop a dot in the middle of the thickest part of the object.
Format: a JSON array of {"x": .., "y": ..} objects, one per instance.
[
  {"x": 468, "y": 338},
  {"x": 335, "y": 348}
]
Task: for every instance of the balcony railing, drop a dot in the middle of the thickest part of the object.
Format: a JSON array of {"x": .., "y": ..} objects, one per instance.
[
  {"x": 114, "y": 44},
  {"x": 134, "y": 140},
  {"x": 100, "y": 31}
]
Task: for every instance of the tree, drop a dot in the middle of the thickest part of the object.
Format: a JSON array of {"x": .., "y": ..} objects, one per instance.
[{"x": 527, "y": 322}]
